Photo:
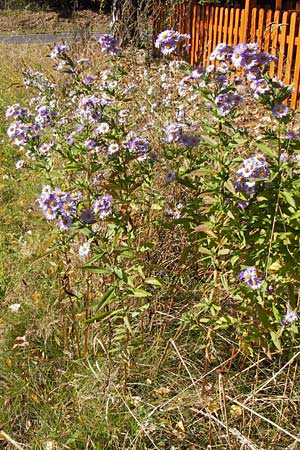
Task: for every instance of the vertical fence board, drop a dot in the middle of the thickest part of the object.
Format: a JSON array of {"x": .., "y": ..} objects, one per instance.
[
  {"x": 274, "y": 40},
  {"x": 201, "y": 36},
  {"x": 296, "y": 80},
  {"x": 290, "y": 48},
  {"x": 253, "y": 25},
  {"x": 220, "y": 27},
  {"x": 236, "y": 26},
  {"x": 225, "y": 27},
  {"x": 260, "y": 30},
  {"x": 198, "y": 24},
  {"x": 215, "y": 28},
  {"x": 267, "y": 32},
  {"x": 230, "y": 28},
  {"x": 210, "y": 29},
  {"x": 205, "y": 40},
  {"x": 241, "y": 32},
  {"x": 194, "y": 33},
  {"x": 282, "y": 43}
]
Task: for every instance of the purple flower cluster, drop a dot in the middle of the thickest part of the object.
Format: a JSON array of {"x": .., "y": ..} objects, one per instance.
[
  {"x": 138, "y": 146},
  {"x": 227, "y": 101},
  {"x": 37, "y": 80},
  {"x": 16, "y": 112},
  {"x": 102, "y": 206},
  {"x": 59, "y": 205},
  {"x": 174, "y": 134},
  {"x": 45, "y": 116},
  {"x": 250, "y": 170},
  {"x": 170, "y": 40},
  {"x": 109, "y": 44},
  {"x": 89, "y": 108},
  {"x": 242, "y": 55},
  {"x": 249, "y": 276},
  {"x": 58, "y": 50}
]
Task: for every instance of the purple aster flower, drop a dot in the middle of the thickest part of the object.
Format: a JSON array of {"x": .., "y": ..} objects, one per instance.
[
  {"x": 252, "y": 74},
  {"x": 173, "y": 133},
  {"x": 88, "y": 216},
  {"x": 139, "y": 147},
  {"x": 280, "y": 111},
  {"x": 103, "y": 205},
  {"x": 260, "y": 87},
  {"x": 109, "y": 44},
  {"x": 90, "y": 143},
  {"x": 64, "y": 223},
  {"x": 90, "y": 79},
  {"x": 170, "y": 177},
  {"x": 58, "y": 50},
  {"x": 249, "y": 276},
  {"x": 284, "y": 157},
  {"x": 291, "y": 135},
  {"x": 44, "y": 148},
  {"x": 188, "y": 141},
  {"x": 169, "y": 40},
  {"x": 290, "y": 317},
  {"x": 198, "y": 72}
]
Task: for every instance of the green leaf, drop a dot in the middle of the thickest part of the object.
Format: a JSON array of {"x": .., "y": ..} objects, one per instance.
[
  {"x": 289, "y": 198},
  {"x": 106, "y": 299},
  {"x": 127, "y": 324},
  {"x": 224, "y": 251},
  {"x": 103, "y": 315},
  {"x": 140, "y": 293},
  {"x": 153, "y": 282},
  {"x": 276, "y": 339},
  {"x": 95, "y": 269},
  {"x": 204, "y": 250},
  {"x": 265, "y": 149}
]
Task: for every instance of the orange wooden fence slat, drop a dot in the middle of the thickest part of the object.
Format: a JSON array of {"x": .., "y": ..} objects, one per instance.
[
  {"x": 261, "y": 27},
  {"x": 205, "y": 40},
  {"x": 282, "y": 44},
  {"x": 267, "y": 34},
  {"x": 230, "y": 28},
  {"x": 210, "y": 29},
  {"x": 296, "y": 80},
  {"x": 241, "y": 32},
  {"x": 198, "y": 24},
  {"x": 194, "y": 38},
  {"x": 290, "y": 49},
  {"x": 236, "y": 26},
  {"x": 274, "y": 39},
  {"x": 201, "y": 34},
  {"x": 215, "y": 28},
  {"x": 253, "y": 27},
  {"x": 220, "y": 27},
  {"x": 225, "y": 27}
]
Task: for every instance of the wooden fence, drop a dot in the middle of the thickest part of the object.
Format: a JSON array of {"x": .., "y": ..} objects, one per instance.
[{"x": 277, "y": 32}]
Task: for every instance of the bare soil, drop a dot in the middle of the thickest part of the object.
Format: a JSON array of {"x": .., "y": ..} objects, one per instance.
[{"x": 18, "y": 22}]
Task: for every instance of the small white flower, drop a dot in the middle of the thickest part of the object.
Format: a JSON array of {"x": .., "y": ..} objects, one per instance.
[
  {"x": 14, "y": 307},
  {"x": 84, "y": 249}
]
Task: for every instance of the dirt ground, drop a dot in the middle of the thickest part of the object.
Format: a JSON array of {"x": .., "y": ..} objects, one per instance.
[{"x": 18, "y": 22}]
